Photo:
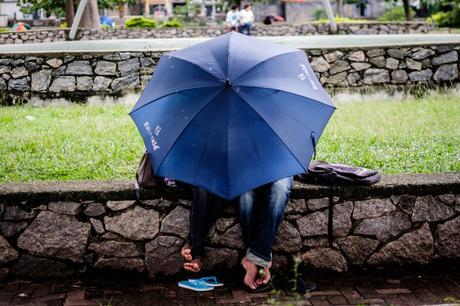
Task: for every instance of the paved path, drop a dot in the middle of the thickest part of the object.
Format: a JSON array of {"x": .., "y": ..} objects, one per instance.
[
  {"x": 435, "y": 287},
  {"x": 301, "y": 42}
]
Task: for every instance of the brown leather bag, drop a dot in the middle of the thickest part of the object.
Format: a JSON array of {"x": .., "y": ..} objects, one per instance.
[{"x": 145, "y": 177}]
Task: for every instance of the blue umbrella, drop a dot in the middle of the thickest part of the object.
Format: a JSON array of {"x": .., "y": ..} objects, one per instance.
[{"x": 231, "y": 114}]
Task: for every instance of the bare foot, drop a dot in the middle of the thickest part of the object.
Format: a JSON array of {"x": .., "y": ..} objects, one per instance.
[
  {"x": 193, "y": 266},
  {"x": 186, "y": 252},
  {"x": 251, "y": 273},
  {"x": 265, "y": 276}
]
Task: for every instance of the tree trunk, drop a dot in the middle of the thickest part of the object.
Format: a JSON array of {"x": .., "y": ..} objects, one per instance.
[
  {"x": 90, "y": 18},
  {"x": 69, "y": 12},
  {"x": 339, "y": 8},
  {"x": 406, "y": 9}
]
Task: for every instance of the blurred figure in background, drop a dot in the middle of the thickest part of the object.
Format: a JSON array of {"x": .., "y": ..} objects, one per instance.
[
  {"x": 246, "y": 19},
  {"x": 233, "y": 18}
]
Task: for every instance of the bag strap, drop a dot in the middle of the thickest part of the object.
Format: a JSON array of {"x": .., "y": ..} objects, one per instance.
[
  {"x": 313, "y": 141},
  {"x": 137, "y": 188},
  {"x": 330, "y": 217}
]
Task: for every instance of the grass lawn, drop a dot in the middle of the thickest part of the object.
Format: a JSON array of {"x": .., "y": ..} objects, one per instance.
[{"x": 74, "y": 142}]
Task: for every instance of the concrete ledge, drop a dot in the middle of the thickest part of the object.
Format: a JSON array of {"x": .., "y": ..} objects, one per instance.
[
  {"x": 53, "y": 229},
  {"x": 168, "y": 44},
  {"x": 416, "y": 184}
]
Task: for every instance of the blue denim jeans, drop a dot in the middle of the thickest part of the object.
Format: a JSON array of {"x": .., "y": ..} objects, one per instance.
[
  {"x": 206, "y": 208},
  {"x": 261, "y": 211},
  {"x": 246, "y": 26}
]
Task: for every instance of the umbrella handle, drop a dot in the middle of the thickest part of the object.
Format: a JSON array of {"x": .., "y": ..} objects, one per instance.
[{"x": 313, "y": 141}]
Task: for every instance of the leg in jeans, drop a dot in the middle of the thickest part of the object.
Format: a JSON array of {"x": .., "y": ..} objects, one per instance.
[
  {"x": 205, "y": 211},
  {"x": 260, "y": 250},
  {"x": 247, "y": 217},
  {"x": 248, "y": 28}
]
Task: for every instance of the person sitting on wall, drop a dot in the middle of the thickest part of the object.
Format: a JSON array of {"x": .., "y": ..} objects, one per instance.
[
  {"x": 246, "y": 19},
  {"x": 233, "y": 19}
]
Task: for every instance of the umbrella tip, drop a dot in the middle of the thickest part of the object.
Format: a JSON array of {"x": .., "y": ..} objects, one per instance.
[{"x": 227, "y": 83}]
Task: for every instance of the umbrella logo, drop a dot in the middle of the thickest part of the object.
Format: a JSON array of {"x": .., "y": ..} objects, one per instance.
[
  {"x": 305, "y": 74},
  {"x": 153, "y": 141}
]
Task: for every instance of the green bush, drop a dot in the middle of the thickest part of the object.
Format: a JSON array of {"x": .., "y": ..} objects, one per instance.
[
  {"x": 446, "y": 19},
  {"x": 319, "y": 14},
  {"x": 140, "y": 22},
  {"x": 343, "y": 20},
  {"x": 395, "y": 14},
  {"x": 173, "y": 23}
]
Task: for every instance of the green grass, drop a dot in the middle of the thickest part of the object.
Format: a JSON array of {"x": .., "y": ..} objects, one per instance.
[{"x": 74, "y": 142}]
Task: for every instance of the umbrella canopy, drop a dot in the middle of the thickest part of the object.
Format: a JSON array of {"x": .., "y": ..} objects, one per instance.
[{"x": 231, "y": 114}]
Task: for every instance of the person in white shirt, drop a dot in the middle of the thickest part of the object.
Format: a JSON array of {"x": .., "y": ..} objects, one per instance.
[
  {"x": 246, "y": 19},
  {"x": 233, "y": 19}
]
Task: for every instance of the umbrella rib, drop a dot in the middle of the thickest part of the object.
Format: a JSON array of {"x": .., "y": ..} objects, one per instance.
[
  {"x": 281, "y": 140},
  {"x": 185, "y": 127},
  {"x": 291, "y": 93},
  {"x": 194, "y": 64},
  {"x": 171, "y": 93},
  {"x": 265, "y": 60}
]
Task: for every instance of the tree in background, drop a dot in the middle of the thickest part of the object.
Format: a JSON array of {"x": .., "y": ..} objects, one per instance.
[
  {"x": 67, "y": 8},
  {"x": 407, "y": 9}
]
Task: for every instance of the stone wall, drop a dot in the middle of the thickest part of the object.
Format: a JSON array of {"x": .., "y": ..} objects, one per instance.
[
  {"x": 78, "y": 76},
  {"x": 277, "y": 29},
  {"x": 60, "y": 229}
]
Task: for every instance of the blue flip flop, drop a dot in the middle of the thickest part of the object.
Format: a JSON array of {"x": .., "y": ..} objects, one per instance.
[
  {"x": 210, "y": 281},
  {"x": 195, "y": 285}
]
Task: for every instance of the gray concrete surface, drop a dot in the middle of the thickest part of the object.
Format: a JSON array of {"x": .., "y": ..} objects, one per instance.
[{"x": 301, "y": 42}]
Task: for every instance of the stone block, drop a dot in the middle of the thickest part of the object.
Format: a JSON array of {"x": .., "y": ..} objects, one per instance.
[
  {"x": 288, "y": 238},
  {"x": 127, "y": 264},
  {"x": 376, "y": 76},
  {"x": 63, "y": 84},
  {"x": 105, "y": 68},
  {"x": 357, "y": 248},
  {"x": 162, "y": 255},
  {"x": 448, "y": 238},
  {"x": 84, "y": 83},
  {"x": 7, "y": 252},
  {"x": 384, "y": 227},
  {"x": 94, "y": 209},
  {"x": 325, "y": 258},
  {"x": 426, "y": 208},
  {"x": 115, "y": 249},
  {"x": 55, "y": 235},
  {"x": 68, "y": 208},
  {"x": 372, "y": 208},
  {"x": 19, "y": 84},
  {"x": 41, "y": 80},
  {"x": 135, "y": 224},
  {"x": 177, "y": 222},
  {"x": 423, "y": 75},
  {"x": 415, "y": 247},
  {"x": 450, "y": 57},
  {"x": 446, "y": 73},
  {"x": 79, "y": 68},
  {"x": 319, "y": 64}
]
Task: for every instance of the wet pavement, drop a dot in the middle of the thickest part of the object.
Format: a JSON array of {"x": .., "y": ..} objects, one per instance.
[{"x": 432, "y": 286}]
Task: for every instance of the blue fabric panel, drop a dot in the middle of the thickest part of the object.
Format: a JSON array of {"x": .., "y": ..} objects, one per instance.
[
  {"x": 245, "y": 52},
  {"x": 211, "y": 55},
  {"x": 288, "y": 72},
  {"x": 291, "y": 117},
  {"x": 228, "y": 149},
  {"x": 161, "y": 122},
  {"x": 173, "y": 75}
]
